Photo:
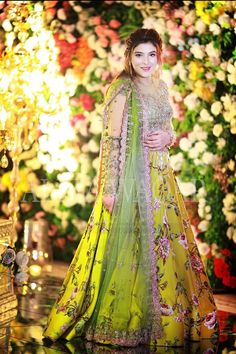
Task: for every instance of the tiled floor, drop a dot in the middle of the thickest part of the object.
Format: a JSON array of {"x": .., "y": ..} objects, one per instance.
[{"x": 25, "y": 333}]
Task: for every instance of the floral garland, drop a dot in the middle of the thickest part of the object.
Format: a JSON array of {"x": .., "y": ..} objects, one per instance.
[{"x": 199, "y": 66}]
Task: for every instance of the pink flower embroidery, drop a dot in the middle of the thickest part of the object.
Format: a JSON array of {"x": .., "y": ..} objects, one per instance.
[
  {"x": 64, "y": 327},
  {"x": 183, "y": 241},
  {"x": 179, "y": 318},
  {"x": 210, "y": 320},
  {"x": 156, "y": 204},
  {"x": 166, "y": 309},
  {"x": 196, "y": 263},
  {"x": 164, "y": 247},
  {"x": 195, "y": 300},
  {"x": 165, "y": 220}
]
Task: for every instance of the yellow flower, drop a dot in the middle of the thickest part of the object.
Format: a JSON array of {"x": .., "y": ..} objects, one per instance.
[
  {"x": 200, "y": 6},
  {"x": 202, "y": 90},
  {"x": 195, "y": 69}
]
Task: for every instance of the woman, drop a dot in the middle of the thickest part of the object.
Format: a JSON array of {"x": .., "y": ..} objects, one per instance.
[{"x": 136, "y": 277}]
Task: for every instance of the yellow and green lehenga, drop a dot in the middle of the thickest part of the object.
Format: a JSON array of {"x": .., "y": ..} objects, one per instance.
[{"x": 137, "y": 276}]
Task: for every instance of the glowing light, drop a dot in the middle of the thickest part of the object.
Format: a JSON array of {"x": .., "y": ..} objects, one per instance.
[{"x": 35, "y": 270}]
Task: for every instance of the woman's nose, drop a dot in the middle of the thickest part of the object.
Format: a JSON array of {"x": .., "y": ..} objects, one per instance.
[{"x": 145, "y": 60}]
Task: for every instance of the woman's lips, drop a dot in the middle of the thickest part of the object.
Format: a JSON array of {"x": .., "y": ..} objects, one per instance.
[{"x": 146, "y": 68}]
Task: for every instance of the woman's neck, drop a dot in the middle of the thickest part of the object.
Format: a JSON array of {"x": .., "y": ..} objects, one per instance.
[{"x": 144, "y": 81}]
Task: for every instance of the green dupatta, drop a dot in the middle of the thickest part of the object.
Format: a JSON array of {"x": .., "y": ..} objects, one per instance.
[{"x": 129, "y": 268}]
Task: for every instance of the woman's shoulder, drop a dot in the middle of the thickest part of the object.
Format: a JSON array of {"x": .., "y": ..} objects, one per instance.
[{"x": 117, "y": 86}]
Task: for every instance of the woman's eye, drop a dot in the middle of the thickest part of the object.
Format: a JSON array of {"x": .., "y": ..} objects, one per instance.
[
  {"x": 138, "y": 55},
  {"x": 153, "y": 55}
]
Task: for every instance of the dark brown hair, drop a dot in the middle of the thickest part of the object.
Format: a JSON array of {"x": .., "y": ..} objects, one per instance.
[{"x": 141, "y": 35}]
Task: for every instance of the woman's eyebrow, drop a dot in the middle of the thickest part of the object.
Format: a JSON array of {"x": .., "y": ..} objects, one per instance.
[{"x": 139, "y": 52}]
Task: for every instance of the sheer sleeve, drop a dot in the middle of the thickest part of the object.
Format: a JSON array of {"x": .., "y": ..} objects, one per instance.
[
  {"x": 168, "y": 126},
  {"x": 115, "y": 115}
]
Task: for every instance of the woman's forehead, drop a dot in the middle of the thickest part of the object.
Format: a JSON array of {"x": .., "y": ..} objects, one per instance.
[{"x": 145, "y": 47}]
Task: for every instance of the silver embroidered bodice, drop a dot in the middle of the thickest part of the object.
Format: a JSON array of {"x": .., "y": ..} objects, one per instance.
[{"x": 158, "y": 109}]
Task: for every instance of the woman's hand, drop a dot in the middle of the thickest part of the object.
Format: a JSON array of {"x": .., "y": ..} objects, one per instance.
[
  {"x": 108, "y": 201},
  {"x": 157, "y": 140}
]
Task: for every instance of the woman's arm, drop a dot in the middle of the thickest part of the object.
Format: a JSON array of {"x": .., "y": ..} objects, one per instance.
[{"x": 111, "y": 180}]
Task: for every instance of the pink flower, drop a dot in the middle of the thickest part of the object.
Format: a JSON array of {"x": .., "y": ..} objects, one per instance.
[
  {"x": 114, "y": 24},
  {"x": 190, "y": 30},
  {"x": 87, "y": 101},
  {"x": 64, "y": 327},
  {"x": 74, "y": 101},
  {"x": 165, "y": 220},
  {"x": 195, "y": 300},
  {"x": 156, "y": 204},
  {"x": 77, "y": 118},
  {"x": 196, "y": 263},
  {"x": 210, "y": 320},
  {"x": 183, "y": 240},
  {"x": 164, "y": 247},
  {"x": 166, "y": 309},
  {"x": 96, "y": 20},
  {"x": 179, "y": 318}
]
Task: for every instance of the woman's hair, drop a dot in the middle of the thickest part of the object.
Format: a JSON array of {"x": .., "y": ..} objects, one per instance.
[{"x": 142, "y": 35}]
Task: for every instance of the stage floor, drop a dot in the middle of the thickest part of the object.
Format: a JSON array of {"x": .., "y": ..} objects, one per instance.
[{"x": 24, "y": 335}]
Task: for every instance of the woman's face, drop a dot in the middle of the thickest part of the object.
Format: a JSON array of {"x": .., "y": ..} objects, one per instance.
[{"x": 144, "y": 59}]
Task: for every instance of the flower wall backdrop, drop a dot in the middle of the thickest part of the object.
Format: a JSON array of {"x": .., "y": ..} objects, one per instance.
[{"x": 58, "y": 180}]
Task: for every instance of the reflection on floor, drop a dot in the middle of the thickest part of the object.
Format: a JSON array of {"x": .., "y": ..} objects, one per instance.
[{"x": 24, "y": 335}]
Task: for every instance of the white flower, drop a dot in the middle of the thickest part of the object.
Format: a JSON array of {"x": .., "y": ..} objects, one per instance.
[
  {"x": 224, "y": 19},
  {"x": 220, "y": 75},
  {"x": 232, "y": 77},
  {"x": 220, "y": 143},
  {"x": 191, "y": 101},
  {"x": 202, "y": 192},
  {"x": 208, "y": 217},
  {"x": 200, "y": 26},
  {"x": 192, "y": 136},
  {"x": 208, "y": 158},
  {"x": 176, "y": 161},
  {"x": 185, "y": 144},
  {"x": 203, "y": 248},
  {"x": 203, "y": 225},
  {"x": 197, "y": 50},
  {"x": 214, "y": 28},
  {"x": 212, "y": 51},
  {"x": 193, "y": 153},
  {"x": 6, "y": 25},
  {"x": 231, "y": 165},
  {"x": 93, "y": 146},
  {"x": 231, "y": 233},
  {"x": 96, "y": 163},
  {"x": 229, "y": 206},
  {"x": 186, "y": 188},
  {"x": 216, "y": 108},
  {"x": 229, "y": 200},
  {"x": 227, "y": 101},
  {"x": 205, "y": 116},
  {"x": 217, "y": 129},
  {"x": 200, "y": 146}
]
